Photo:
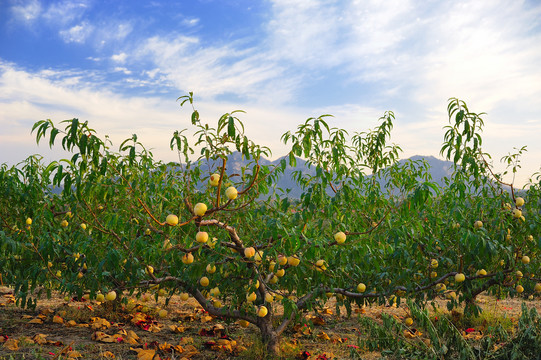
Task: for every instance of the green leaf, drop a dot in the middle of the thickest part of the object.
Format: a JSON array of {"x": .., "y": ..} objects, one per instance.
[{"x": 231, "y": 127}]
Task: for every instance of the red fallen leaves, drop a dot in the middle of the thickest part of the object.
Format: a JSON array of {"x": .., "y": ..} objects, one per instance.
[
  {"x": 217, "y": 330},
  {"x": 305, "y": 355},
  {"x": 145, "y": 322},
  {"x": 301, "y": 330}
]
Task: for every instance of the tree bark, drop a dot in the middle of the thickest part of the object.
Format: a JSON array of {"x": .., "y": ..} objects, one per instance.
[{"x": 269, "y": 336}]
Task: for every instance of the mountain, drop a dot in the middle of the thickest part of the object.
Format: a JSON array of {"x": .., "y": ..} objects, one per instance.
[{"x": 439, "y": 169}]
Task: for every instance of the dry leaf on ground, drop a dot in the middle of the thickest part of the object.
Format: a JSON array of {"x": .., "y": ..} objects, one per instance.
[
  {"x": 145, "y": 354},
  {"x": 11, "y": 344}
]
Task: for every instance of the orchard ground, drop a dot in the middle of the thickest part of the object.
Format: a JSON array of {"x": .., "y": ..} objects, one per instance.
[{"x": 90, "y": 330}]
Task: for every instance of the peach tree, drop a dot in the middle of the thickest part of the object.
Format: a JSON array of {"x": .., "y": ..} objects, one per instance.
[{"x": 367, "y": 228}]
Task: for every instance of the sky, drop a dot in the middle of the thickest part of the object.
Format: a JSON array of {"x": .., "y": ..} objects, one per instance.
[{"x": 121, "y": 65}]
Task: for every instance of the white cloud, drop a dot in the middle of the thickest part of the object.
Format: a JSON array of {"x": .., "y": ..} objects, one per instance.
[
  {"x": 120, "y": 58},
  {"x": 26, "y": 11},
  {"x": 153, "y": 119},
  {"x": 212, "y": 71},
  {"x": 333, "y": 33},
  {"x": 123, "y": 70},
  {"x": 151, "y": 73},
  {"x": 112, "y": 31},
  {"x": 65, "y": 12},
  {"x": 78, "y": 33},
  {"x": 190, "y": 22}
]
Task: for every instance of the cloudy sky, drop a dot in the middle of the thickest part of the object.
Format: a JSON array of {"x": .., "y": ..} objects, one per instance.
[{"x": 121, "y": 65}]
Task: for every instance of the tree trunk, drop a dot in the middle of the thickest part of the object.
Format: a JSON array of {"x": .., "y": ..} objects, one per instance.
[{"x": 270, "y": 338}]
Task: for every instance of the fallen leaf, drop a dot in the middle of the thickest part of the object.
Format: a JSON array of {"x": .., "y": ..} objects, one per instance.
[
  {"x": 36, "y": 321},
  {"x": 165, "y": 346},
  {"x": 46, "y": 312},
  {"x": 109, "y": 355},
  {"x": 337, "y": 339},
  {"x": 71, "y": 323},
  {"x": 187, "y": 317},
  {"x": 151, "y": 345},
  {"x": 58, "y": 320},
  {"x": 217, "y": 330},
  {"x": 11, "y": 344},
  {"x": 145, "y": 354},
  {"x": 40, "y": 339},
  {"x": 99, "y": 323},
  {"x": 326, "y": 311},
  {"x": 74, "y": 354},
  {"x": 177, "y": 328},
  {"x": 103, "y": 337},
  {"x": 412, "y": 333},
  {"x": 206, "y": 318},
  {"x": 132, "y": 338},
  {"x": 301, "y": 330},
  {"x": 323, "y": 336},
  {"x": 145, "y": 322},
  {"x": 472, "y": 334},
  {"x": 189, "y": 351},
  {"x": 185, "y": 340}
]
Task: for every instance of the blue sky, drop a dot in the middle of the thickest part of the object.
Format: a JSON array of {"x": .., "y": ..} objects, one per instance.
[{"x": 121, "y": 65}]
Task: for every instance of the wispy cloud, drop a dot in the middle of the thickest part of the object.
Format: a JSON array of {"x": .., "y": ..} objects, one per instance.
[
  {"x": 26, "y": 11},
  {"x": 78, "y": 33},
  {"x": 212, "y": 70},
  {"x": 65, "y": 12},
  {"x": 29, "y": 97},
  {"x": 122, "y": 70},
  {"x": 190, "y": 22}
]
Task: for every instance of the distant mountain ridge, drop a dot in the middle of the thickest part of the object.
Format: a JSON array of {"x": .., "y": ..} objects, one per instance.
[{"x": 439, "y": 169}]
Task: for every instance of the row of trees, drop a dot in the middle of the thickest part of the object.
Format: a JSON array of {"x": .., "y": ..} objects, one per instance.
[{"x": 126, "y": 222}]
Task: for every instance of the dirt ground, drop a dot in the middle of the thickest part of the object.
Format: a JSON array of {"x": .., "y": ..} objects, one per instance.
[{"x": 60, "y": 329}]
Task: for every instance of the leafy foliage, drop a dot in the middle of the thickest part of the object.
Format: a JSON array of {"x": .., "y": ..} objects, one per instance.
[{"x": 407, "y": 239}]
